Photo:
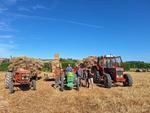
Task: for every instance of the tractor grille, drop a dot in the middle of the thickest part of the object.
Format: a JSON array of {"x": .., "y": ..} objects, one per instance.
[
  {"x": 119, "y": 73},
  {"x": 25, "y": 77}
]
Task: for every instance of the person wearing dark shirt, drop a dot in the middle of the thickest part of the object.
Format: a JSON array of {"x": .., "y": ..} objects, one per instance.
[{"x": 90, "y": 77}]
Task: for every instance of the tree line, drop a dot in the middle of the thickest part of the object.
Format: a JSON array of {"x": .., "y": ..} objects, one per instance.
[
  {"x": 64, "y": 62},
  {"x": 136, "y": 64}
]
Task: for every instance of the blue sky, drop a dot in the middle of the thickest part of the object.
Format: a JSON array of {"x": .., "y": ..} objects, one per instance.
[{"x": 75, "y": 28}]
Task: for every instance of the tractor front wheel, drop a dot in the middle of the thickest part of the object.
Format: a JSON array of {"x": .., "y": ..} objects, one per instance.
[
  {"x": 107, "y": 81},
  {"x": 128, "y": 80}
]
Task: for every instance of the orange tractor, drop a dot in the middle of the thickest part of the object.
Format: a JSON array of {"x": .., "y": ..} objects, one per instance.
[
  {"x": 109, "y": 69},
  {"x": 20, "y": 77}
]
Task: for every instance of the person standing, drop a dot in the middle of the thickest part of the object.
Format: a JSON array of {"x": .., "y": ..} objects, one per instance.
[
  {"x": 58, "y": 73},
  {"x": 90, "y": 77},
  {"x": 85, "y": 77},
  {"x": 79, "y": 74},
  {"x": 75, "y": 69},
  {"x": 69, "y": 68}
]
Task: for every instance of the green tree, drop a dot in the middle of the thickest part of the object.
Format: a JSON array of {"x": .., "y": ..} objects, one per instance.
[
  {"x": 4, "y": 66},
  {"x": 47, "y": 67},
  {"x": 65, "y": 62}
]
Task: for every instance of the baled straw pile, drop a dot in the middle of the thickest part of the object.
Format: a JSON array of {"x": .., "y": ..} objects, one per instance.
[
  {"x": 31, "y": 64},
  {"x": 55, "y": 64},
  {"x": 89, "y": 61}
]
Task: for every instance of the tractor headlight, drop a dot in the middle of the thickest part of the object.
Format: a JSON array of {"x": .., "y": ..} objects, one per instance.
[{"x": 119, "y": 76}]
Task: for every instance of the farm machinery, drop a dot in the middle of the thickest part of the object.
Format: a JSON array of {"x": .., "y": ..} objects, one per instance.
[
  {"x": 109, "y": 69},
  {"x": 19, "y": 78},
  {"x": 69, "y": 80}
]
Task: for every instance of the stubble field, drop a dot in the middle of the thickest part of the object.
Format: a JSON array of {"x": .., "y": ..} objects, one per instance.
[{"x": 46, "y": 99}]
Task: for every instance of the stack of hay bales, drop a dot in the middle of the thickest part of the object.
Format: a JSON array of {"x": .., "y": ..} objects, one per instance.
[
  {"x": 31, "y": 64},
  {"x": 56, "y": 62},
  {"x": 89, "y": 61}
]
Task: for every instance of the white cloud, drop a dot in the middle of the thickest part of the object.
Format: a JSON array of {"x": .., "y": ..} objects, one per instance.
[
  {"x": 10, "y": 2},
  {"x": 11, "y": 42},
  {"x": 6, "y": 4},
  {"x": 3, "y": 26},
  {"x": 24, "y": 9},
  {"x": 6, "y": 46},
  {"x": 37, "y": 6},
  {"x": 6, "y": 36},
  {"x": 59, "y": 20},
  {"x": 3, "y": 9}
]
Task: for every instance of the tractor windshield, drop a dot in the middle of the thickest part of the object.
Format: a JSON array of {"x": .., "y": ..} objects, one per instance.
[
  {"x": 110, "y": 62},
  {"x": 113, "y": 61},
  {"x": 118, "y": 61}
]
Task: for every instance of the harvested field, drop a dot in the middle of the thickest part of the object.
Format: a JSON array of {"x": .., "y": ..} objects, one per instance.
[{"x": 45, "y": 99}]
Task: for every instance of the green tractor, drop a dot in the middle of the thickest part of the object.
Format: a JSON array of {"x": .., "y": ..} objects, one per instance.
[{"x": 69, "y": 81}]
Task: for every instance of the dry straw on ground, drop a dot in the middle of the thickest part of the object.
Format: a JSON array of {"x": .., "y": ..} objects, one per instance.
[{"x": 45, "y": 99}]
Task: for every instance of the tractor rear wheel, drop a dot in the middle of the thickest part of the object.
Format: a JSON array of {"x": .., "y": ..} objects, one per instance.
[
  {"x": 128, "y": 80},
  {"x": 34, "y": 84},
  {"x": 62, "y": 83},
  {"x": 9, "y": 82},
  {"x": 107, "y": 81}
]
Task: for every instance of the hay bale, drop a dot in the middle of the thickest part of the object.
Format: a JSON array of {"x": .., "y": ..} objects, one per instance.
[
  {"x": 55, "y": 64},
  {"x": 31, "y": 64},
  {"x": 89, "y": 61}
]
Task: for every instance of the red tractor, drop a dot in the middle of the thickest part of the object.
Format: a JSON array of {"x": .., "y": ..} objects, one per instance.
[
  {"x": 109, "y": 69},
  {"x": 19, "y": 78}
]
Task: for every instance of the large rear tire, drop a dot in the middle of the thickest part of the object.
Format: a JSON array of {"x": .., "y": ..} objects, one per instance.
[
  {"x": 6, "y": 80},
  {"x": 128, "y": 80},
  {"x": 9, "y": 82},
  {"x": 107, "y": 81},
  {"x": 95, "y": 77}
]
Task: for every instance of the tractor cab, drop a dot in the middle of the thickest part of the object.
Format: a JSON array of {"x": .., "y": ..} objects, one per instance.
[
  {"x": 112, "y": 65},
  {"x": 110, "y": 61}
]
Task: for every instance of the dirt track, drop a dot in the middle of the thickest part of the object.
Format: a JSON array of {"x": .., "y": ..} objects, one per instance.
[{"x": 48, "y": 100}]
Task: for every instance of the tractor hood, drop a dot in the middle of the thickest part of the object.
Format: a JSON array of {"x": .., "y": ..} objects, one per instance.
[
  {"x": 119, "y": 69},
  {"x": 20, "y": 70}
]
